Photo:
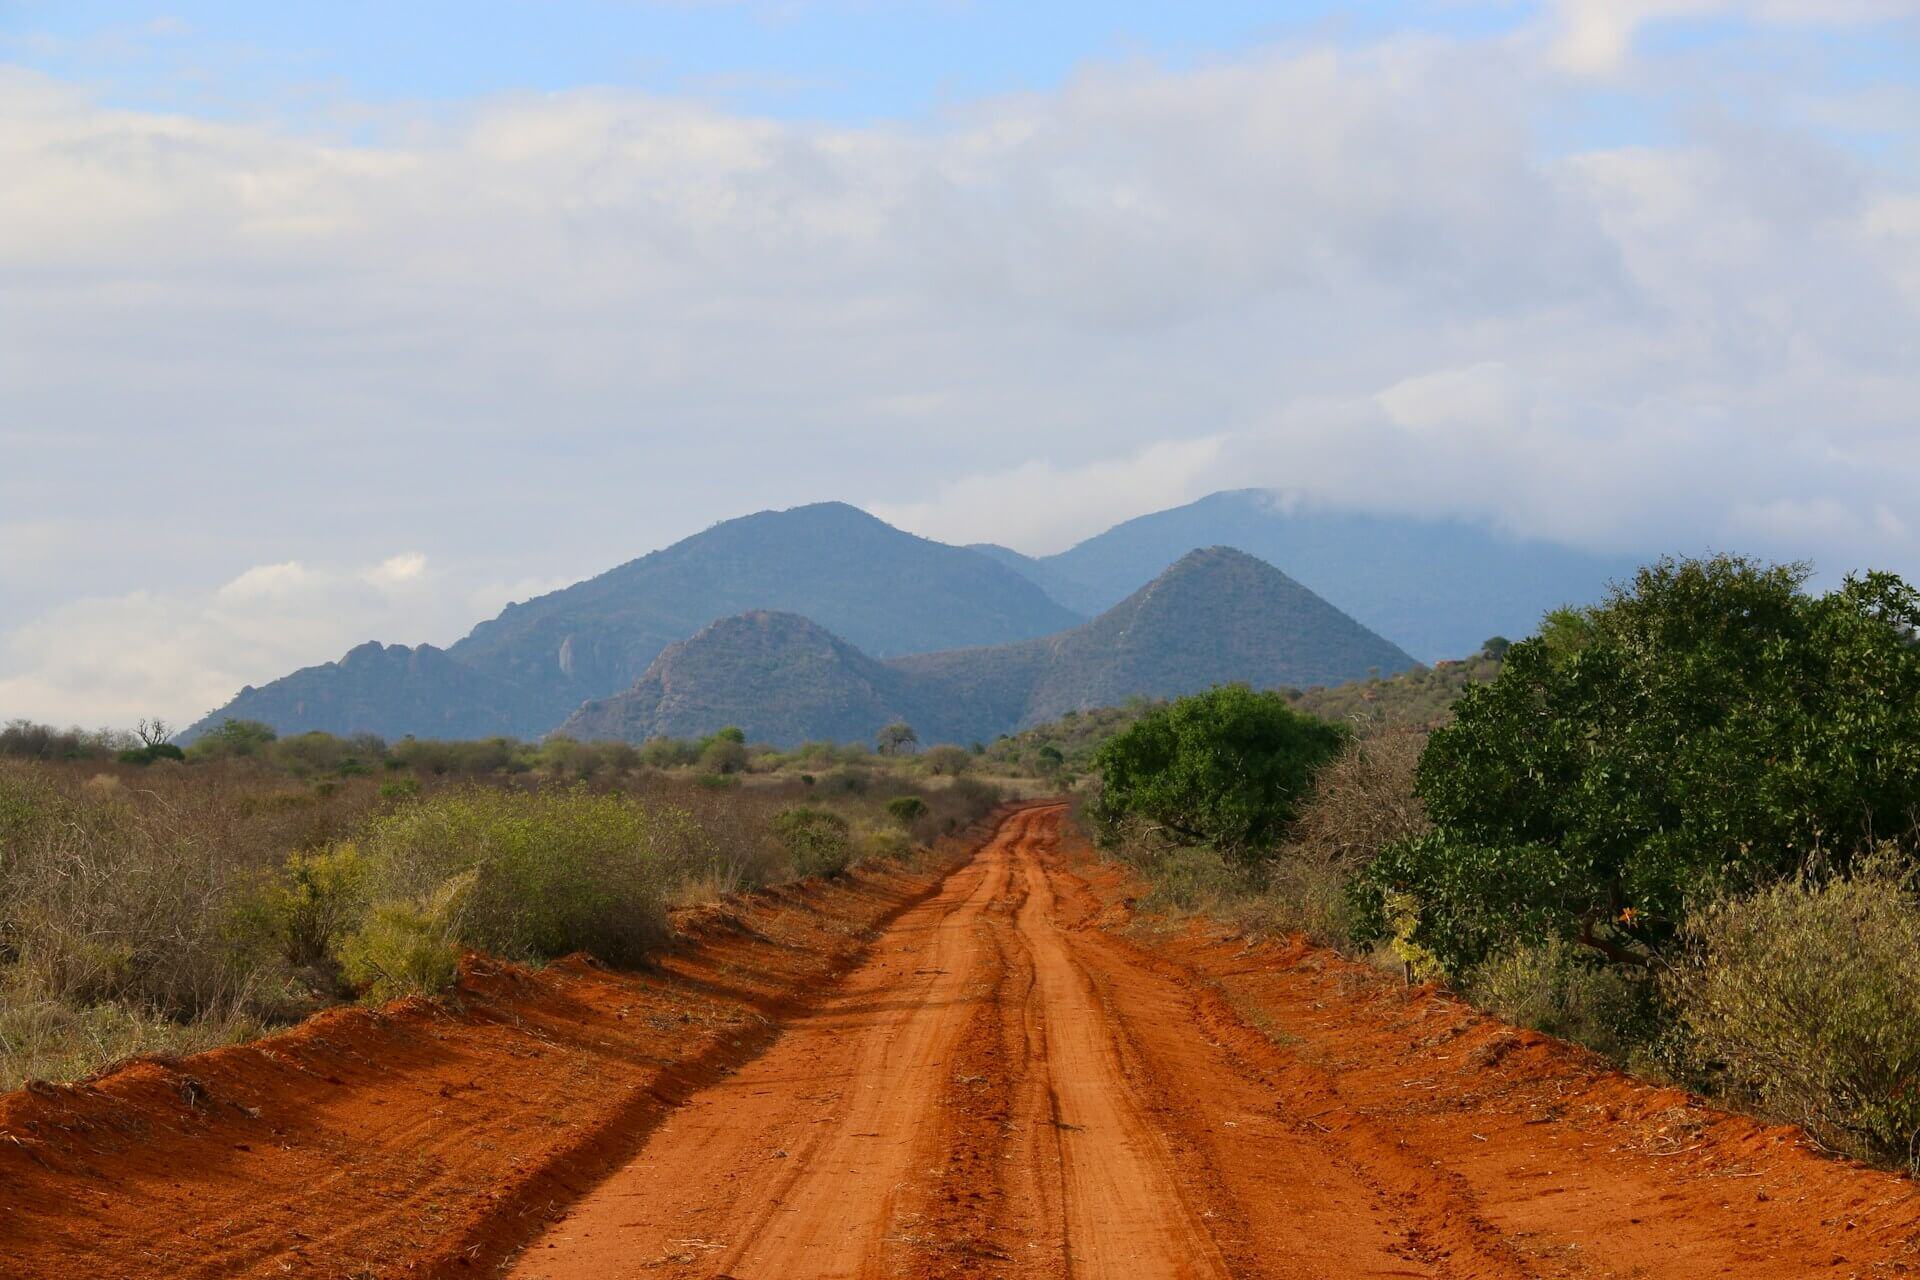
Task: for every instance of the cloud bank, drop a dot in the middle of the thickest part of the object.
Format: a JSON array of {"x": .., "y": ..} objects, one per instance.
[{"x": 535, "y": 336}]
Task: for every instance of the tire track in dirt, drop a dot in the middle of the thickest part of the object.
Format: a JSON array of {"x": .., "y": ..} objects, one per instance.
[{"x": 979, "y": 1101}]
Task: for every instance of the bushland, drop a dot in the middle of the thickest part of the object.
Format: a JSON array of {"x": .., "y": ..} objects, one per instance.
[
  {"x": 1678, "y": 827},
  {"x": 164, "y": 906}
]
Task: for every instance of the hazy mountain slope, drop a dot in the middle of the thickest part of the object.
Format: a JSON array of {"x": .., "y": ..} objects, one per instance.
[
  {"x": 374, "y": 689},
  {"x": 1216, "y": 616},
  {"x": 778, "y": 676},
  {"x": 523, "y": 672},
  {"x": 1051, "y": 578},
  {"x": 1436, "y": 587},
  {"x": 886, "y": 591}
]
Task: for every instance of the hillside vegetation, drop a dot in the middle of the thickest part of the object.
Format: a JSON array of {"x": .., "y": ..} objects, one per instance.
[
  {"x": 1679, "y": 826},
  {"x": 1417, "y": 699},
  {"x": 169, "y": 905}
]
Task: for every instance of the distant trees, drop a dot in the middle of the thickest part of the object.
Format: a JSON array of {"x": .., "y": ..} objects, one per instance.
[
  {"x": 896, "y": 739},
  {"x": 1226, "y": 768},
  {"x": 234, "y": 738},
  {"x": 725, "y": 752},
  {"x": 949, "y": 760}
]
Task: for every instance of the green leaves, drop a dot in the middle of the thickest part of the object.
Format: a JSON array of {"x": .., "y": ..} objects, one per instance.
[
  {"x": 1707, "y": 729},
  {"x": 1225, "y": 768}
]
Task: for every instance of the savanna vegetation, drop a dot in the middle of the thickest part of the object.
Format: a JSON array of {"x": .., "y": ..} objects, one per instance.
[
  {"x": 164, "y": 902},
  {"x": 1678, "y": 827}
]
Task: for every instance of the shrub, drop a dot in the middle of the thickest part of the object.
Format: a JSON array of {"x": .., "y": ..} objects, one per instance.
[
  {"x": 408, "y": 948},
  {"x": 233, "y": 738},
  {"x": 1708, "y": 729},
  {"x": 724, "y": 755},
  {"x": 314, "y": 903},
  {"x": 1362, "y": 802},
  {"x": 1225, "y": 768},
  {"x": 117, "y": 896},
  {"x": 1301, "y": 894},
  {"x": 906, "y": 810},
  {"x": 816, "y": 840},
  {"x": 1566, "y": 990},
  {"x": 845, "y": 782},
  {"x": 151, "y": 752},
  {"x": 1191, "y": 879},
  {"x": 1801, "y": 998},
  {"x": 553, "y": 871},
  {"x": 885, "y": 842},
  {"x": 949, "y": 760}
]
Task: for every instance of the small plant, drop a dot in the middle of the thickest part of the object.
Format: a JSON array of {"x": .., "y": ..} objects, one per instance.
[
  {"x": 321, "y": 896},
  {"x": 1801, "y": 999},
  {"x": 408, "y": 948},
  {"x": 1565, "y": 990},
  {"x": 906, "y": 810},
  {"x": 817, "y": 840}
]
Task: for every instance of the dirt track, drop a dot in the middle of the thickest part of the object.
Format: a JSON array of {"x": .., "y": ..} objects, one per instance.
[
  {"x": 995, "y": 1072},
  {"x": 998, "y": 1092}
]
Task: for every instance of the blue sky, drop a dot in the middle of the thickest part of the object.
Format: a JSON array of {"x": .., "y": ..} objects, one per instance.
[
  {"x": 329, "y": 322},
  {"x": 852, "y": 61}
]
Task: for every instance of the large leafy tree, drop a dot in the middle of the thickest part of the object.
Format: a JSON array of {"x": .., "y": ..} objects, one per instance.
[
  {"x": 1225, "y": 768},
  {"x": 1710, "y": 726}
]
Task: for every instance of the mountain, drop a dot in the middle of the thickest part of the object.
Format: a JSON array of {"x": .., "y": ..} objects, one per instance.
[
  {"x": 778, "y": 676},
  {"x": 1436, "y": 587},
  {"x": 376, "y": 686},
  {"x": 522, "y": 672},
  {"x": 1215, "y": 616}
]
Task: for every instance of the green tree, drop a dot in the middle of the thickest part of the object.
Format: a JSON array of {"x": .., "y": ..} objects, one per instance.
[
  {"x": 947, "y": 759},
  {"x": 896, "y": 738},
  {"x": 1225, "y": 768},
  {"x": 234, "y": 738},
  {"x": 1710, "y": 727}
]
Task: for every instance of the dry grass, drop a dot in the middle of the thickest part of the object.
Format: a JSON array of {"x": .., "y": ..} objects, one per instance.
[{"x": 165, "y": 908}]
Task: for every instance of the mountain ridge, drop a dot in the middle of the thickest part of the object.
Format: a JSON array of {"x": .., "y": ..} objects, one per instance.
[
  {"x": 1436, "y": 587},
  {"x": 526, "y": 669},
  {"x": 1216, "y": 616}
]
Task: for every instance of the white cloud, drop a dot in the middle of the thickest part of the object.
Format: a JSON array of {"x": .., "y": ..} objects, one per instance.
[
  {"x": 1595, "y": 37},
  {"x": 106, "y": 660},
  {"x": 532, "y": 337},
  {"x": 1044, "y": 506}
]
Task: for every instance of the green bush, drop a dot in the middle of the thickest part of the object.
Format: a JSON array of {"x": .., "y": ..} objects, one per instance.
[
  {"x": 1802, "y": 999},
  {"x": 408, "y": 948},
  {"x": 1226, "y": 768},
  {"x": 906, "y": 810},
  {"x": 817, "y": 840},
  {"x": 315, "y": 902},
  {"x": 554, "y": 871},
  {"x": 1708, "y": 729},
  {"x": 884, "y": 842},
  {"x": 151, "y": 752},
  {"x": 1566, "y": 990}
]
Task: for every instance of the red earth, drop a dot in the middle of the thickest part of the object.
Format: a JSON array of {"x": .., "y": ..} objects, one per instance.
[{"x": 988, "y": 1069}]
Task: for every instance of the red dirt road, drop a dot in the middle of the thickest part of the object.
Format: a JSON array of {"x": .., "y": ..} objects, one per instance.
[
  {"x": 996, "y": 1073},
  {"x": 1002, "y": 1091}
]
